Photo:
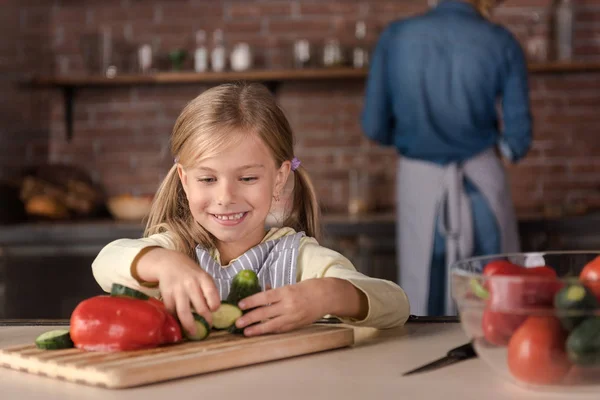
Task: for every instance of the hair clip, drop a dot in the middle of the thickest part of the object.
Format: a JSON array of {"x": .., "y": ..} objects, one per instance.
[{"x": 295, "y": 164}]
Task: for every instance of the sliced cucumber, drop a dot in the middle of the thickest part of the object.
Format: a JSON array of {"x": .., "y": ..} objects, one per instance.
[
  {"x": 226, "y": 315},
  {"x": 202, "y": 328},
  {"x": 54, "y": 340},
  {"x": 124, "y": 291}
]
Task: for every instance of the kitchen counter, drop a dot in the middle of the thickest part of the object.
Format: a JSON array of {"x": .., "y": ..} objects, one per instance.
[{"x": 370, "y": 369}]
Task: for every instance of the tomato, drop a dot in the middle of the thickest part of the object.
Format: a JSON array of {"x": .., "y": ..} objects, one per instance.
[
  {"x": 521, "y": 293},
  {"x": 536, "y": 351},
  {"x": 510, "y": 298},
  {"x": 590, "y": 274},
  {"x": 502, "y": 267},
  {"x": 498, "y": 327}
]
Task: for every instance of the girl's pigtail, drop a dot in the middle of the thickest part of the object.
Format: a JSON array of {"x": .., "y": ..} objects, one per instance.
[
  {"x": 170, "y": 213},
  {"x": 305, "y": 215}
]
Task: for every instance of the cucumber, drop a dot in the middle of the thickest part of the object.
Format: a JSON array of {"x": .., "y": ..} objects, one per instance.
[
  {"x": 202, "y": 329},
  {"x": 124, "y": 291},
  {"x": 583, "y": 343},
  {"x": 54, "y": 340},
  {"x": 478, "y": 289},
  {"x": 572, "y": 300},
  {"x": 226, "y": 315},
  {"x": 245, "y": 283},
  {"x": 235, "y": 330}
]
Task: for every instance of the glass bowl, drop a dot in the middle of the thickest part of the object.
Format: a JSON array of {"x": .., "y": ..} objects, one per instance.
[{"x": 534, "y": 318}]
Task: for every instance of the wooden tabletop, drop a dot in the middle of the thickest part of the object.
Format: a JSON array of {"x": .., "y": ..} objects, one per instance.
[{"x": 372, "y": 369}]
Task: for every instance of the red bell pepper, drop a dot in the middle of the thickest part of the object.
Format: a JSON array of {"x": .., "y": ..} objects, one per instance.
[
  {"x": 171, "y": 328},
  {"x": 108, "y": 323},
  {"x": 509, "y": 299}
]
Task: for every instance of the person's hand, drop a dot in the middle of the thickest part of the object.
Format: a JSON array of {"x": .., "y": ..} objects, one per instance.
[
  {"x": 285, "y": 308},
  {"x": 182, "y": 284}
]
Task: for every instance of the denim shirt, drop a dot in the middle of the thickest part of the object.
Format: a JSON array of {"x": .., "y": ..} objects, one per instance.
[{"x": 435, "y": 84}]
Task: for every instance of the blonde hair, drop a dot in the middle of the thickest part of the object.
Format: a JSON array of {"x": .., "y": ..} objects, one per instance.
[
  {"x": 485, "y": 6},
  {"x": 203, "y": 129}
]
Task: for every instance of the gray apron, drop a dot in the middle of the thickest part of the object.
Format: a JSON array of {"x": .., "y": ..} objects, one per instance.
[
  {"x": 423, "y": 190},
  {"x": 273, "y": 261}
]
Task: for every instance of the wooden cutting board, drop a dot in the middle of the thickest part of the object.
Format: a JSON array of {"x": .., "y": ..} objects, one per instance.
[{"x": 219, "y": 351}]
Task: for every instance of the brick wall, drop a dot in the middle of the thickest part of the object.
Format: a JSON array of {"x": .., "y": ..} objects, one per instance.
[
  {"x": 24, "y": 115},
  {"x": 121, "y": 134}
]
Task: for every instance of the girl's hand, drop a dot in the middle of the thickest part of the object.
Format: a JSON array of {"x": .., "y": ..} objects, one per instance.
[
  {"x": 285, "y": 308},
  {"x": 181, "y": 282}
]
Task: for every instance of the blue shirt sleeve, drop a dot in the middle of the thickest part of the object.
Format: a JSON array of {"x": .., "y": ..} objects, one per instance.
[
  {"x": 517, "y": 136},
  {"x": 377, "y": 116}
]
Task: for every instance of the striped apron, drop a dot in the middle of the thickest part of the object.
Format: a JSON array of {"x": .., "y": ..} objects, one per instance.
[
  {"x": 274, "y": 262},
  {"x": 424, "y": 189}
]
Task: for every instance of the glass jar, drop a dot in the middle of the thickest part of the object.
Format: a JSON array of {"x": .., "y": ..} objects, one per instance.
[{"x": 359, "y": 193}]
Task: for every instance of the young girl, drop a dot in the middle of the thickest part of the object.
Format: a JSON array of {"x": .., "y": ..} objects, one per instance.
[{"x": 233, "y": 150}]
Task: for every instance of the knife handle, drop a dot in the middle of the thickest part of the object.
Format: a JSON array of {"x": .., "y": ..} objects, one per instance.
[{"x": 463, "y": 352}]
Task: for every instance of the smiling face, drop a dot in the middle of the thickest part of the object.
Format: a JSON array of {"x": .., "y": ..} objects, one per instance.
[{"x": 230, "y": 193}]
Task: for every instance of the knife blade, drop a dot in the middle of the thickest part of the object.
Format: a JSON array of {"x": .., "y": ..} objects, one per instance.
[{"x": 461, "y": 353}]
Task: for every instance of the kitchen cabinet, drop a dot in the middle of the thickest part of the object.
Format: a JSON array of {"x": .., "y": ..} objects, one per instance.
[{"x": 45, "y": 281}]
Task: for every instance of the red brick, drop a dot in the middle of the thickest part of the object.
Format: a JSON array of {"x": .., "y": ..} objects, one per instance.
[
  {"x": 242, "y": 10},
  {"x": 398, "y": 8},
  {"x": 204, "y": 9},
  {"x": 320, "y": 8},
  {"x": 310, "y": 28}
]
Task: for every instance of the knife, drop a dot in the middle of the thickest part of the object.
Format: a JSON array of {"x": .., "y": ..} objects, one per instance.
[{"x": 455, "y": 355}]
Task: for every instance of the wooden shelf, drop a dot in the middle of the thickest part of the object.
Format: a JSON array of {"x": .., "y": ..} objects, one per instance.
[
  {"x": 169, "y": 78},
  {"x": 271, "y": 78},
  {"x": 277, "y": 75}
]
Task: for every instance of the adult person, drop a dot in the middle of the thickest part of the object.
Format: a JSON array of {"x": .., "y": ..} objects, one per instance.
[{"x": 434, "y": 90}]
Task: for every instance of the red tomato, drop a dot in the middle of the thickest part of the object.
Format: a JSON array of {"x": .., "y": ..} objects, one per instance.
[
  {"x": 536, "y": 352},
  {"x": 590, "y": 274},
  {"x": 502, "y": 267},
  {"x": 519, "y": 294},
  {"x": 511, "y": 297},
  {"x": 541, "y": 271},
  {"x": 498, "y": 327}
]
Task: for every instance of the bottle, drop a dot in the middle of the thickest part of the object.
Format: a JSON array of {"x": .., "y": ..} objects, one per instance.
[
  {"x": 217, "y": 56},
  {"x": 360, "y": 55},
  {"x": 332, "y": 53},
  {"x": 241, "y": 57},
  {"x": 564, "y": 30},
  {"x": 145, "y": 58},
  {"x": 536, "y": 45},
  {"x": 200, "y": 54},
  {"x": 301, "y": 53}
]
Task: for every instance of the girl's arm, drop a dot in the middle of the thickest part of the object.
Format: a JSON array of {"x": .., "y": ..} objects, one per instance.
[
  {"x": 117, "y": 261},
  {"x": 387, "y": 304},
  {"x": 345, "y": 299},
  {"x": 143, "y": 263},
  {"x": 328, "y": 285}
]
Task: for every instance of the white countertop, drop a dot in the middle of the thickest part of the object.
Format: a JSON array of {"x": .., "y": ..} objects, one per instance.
[{"x": 372, "y": 369}]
